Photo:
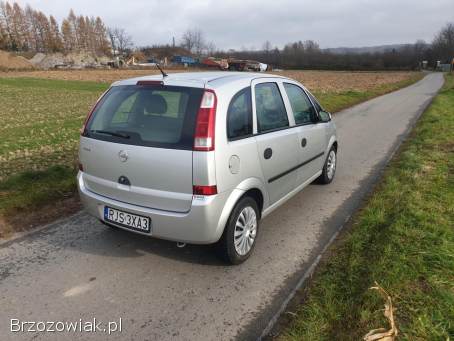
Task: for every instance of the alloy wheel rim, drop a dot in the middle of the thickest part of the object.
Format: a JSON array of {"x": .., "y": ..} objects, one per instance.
[
  {"x": 245, "y": 231},
  {"x": 331, "y": 164}
]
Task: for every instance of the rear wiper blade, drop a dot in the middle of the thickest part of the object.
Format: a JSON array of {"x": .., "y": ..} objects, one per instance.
[{"x": 112, "y": 133}]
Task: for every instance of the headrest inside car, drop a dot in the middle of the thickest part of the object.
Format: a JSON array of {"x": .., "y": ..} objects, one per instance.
[{"x": 154, "y": 104}]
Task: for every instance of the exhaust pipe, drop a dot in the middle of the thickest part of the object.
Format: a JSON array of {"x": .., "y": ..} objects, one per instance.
[{"x": 181, "y": 245}]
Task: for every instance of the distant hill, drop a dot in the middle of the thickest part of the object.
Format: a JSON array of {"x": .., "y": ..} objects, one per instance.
[{"x": 367, "y": 49}]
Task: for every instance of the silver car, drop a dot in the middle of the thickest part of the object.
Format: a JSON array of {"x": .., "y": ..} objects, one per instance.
[{"x": 201, "y": 157}]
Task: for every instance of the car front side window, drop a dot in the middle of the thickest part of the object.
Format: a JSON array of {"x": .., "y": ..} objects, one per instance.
[{"x": 303, "y": 110}]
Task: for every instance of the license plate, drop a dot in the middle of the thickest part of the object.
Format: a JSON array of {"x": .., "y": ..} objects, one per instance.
[{"x": 129, "y": 220}]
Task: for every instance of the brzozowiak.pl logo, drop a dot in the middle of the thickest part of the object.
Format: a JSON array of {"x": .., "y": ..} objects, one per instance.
[{"x": 80, "y": 326}]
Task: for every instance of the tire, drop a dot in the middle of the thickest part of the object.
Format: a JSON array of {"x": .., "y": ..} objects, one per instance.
[
  {"x": 329, "y": 168},
  {"x": 236, "y": 249}
]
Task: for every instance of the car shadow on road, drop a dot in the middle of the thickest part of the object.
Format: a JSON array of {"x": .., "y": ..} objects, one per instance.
[{"x": 115, "y": 242}]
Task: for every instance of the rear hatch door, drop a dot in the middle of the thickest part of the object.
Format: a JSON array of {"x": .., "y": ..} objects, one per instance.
[{"x": 137, "y": 145}]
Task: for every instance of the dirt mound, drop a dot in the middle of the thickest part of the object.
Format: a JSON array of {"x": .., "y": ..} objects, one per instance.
[
  {"x": 50, "y": 61},
  {"x": 10, "y": 61},
  {"x": 73, "y": 60},
  {"x": 37, "y": 58}
]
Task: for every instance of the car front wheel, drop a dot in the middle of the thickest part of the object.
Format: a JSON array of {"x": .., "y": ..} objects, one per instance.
[{"x": 329, "y": 168}]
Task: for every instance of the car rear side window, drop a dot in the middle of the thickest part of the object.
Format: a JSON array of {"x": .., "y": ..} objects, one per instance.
[
  {"x": 155, "y": 116},
  {"x": 303, "y": 110},
  {"x": 239, "y": 115},
  {"x": 270, "y": 109}
]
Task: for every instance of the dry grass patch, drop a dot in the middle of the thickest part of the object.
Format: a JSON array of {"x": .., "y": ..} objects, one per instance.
[
  {"x": 341, "y": 81},
  {"x": 318, "y": 81}
]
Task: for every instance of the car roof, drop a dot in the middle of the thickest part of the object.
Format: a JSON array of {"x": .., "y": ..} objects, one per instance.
[{"x": 201, "y": 79}]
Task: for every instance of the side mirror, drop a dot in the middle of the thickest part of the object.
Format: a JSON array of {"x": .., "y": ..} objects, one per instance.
[{"x": 324, "y": 116}]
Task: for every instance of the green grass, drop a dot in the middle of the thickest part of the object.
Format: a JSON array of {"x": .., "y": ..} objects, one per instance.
[
  {"x": 40, "y": 129},
  {"x": 403, "y": 238},
  {"x": 27, "y": 190},
  {"x": 53, "y": 84},
  {"x": 41, "y": 121}
]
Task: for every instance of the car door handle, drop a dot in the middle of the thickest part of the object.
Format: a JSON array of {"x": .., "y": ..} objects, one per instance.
[
  {"x": 303, "y": 142},
  {"x": 268, "y": 153}
]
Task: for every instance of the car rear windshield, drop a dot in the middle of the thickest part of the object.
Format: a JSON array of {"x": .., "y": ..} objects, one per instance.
[{"x": 154, "y": 116}]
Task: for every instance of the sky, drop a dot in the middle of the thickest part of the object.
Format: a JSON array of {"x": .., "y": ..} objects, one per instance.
[{"x": 249, "y": 23}]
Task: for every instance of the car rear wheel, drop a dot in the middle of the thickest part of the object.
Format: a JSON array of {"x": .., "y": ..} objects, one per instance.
[
  {"x": 240, "y": 233},
  {"x": 329, "y": 168}
]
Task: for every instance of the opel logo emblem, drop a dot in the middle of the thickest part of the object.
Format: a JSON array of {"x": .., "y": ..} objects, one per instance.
[{"x": 123, "y": 155}]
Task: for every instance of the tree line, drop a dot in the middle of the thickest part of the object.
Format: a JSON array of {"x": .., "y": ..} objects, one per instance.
[
  {"x": 308, "y": 55},
  {"x": 27, "y": 29}
]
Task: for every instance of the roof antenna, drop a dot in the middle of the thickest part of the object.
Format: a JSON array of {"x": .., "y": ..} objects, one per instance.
[{"x": 162, "y": 71}]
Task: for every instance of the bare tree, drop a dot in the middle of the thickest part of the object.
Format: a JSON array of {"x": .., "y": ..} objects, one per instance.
[
  {"x": 311, "y": 46},
  {"x": 113, "y": 40},
  {"x": 210, "y": 48},
  {"x": 267, "y": 47},
  {"x": 193, "y": 40},
  {"x": 419, "y": 49},
  {"x": 188, "y": 40},
  {"x": 443, "y": 43},
  {"x": 5, "y": 10},
  {"x": 120, "y": 39}
]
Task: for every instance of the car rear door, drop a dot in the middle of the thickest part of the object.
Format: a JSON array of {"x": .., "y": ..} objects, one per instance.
[
  {"x": 275, "y": 137},
  {"x": 311, "y": 133}
]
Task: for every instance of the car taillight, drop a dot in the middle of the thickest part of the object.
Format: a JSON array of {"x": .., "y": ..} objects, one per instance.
[
  {"x": 82, "y": 130},
  {"x": 205, "y": 125},
  {"x": 204, "y": 190},
  {"x": 149, "y": 83}
]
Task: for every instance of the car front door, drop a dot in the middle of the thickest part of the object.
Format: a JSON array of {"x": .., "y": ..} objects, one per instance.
[
  {"x": 276, "y": 138},
  {"x": 311, "y": 133}
]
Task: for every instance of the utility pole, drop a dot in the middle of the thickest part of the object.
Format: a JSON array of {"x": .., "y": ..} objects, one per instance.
[{"x": 173, "y": 41}]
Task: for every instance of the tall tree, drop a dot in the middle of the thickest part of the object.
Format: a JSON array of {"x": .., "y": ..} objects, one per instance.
[
  {"x": 28, "y": 29},
  {"x": 56, "y": 39},
  {"x": 443, "y": 44},
  {"x": 68, "y": 36},
  {"x": 32, "y": 28},
  {"x": 72, "y": 20},
  {"x": 81, "y": 34},
  {"x": 43, "y": 29},
  {"x": 100, "y": 32},
  {"x": 17, "y": 19},
  {"x": 5, "y": 19}
]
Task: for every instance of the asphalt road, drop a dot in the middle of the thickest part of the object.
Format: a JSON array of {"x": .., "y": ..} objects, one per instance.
[{"x": 80, "y": 269}]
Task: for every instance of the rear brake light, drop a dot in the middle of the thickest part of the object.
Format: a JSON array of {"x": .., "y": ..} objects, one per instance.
[
  {"x": 205, "y": 125},
  {"x": 150, "y": 83},
  {"x": 82, "y": 130},
  {"x": 204, "y": 190}
]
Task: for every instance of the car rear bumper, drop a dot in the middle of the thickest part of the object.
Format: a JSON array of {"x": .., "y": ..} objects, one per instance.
[{"x": 203, "y": 224}]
